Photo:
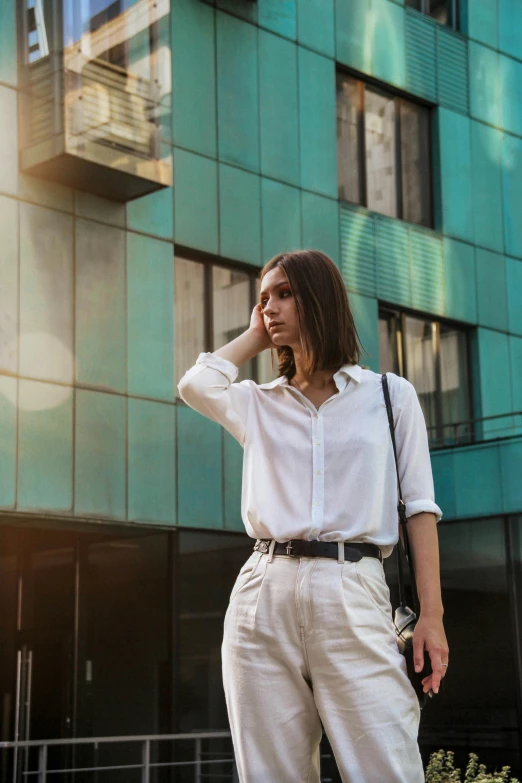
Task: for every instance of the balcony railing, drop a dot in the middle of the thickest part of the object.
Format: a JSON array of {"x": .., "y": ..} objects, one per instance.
[{"x": 482, "y": 430}]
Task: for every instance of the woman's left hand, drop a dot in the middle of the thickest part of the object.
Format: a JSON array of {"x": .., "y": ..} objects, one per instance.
[{"x": 429, "y": 635}]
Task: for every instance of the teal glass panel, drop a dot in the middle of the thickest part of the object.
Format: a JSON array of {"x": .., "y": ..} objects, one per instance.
[
  {"x": 443, "y": 480},
  {"x": 240, "y": 214},
  {"x": 8, "y": 139},
  {"x": 200, "y": 468},
  {"x": 100, "y": 305},
  {"x": 491, "y": 289},
  {"x": 317, "y": 121},
  {"x": 99, "y": 466},
  {"x": 320, "y": 220},
  {"x": 482, "y": 22},
  {"x": 8, "y": 55},
  {"x": 358, "y": 254},
  {"x": 427, "y": 271},
  {"x": 510, "y": 472},
  {"x": 512, "y": 194},
  {"x": 278, "y": 16},
  {"x": 511, "y": 92},
  {"x": 477, "y": 498},
  {"x": 452, "y": 62},
  {"x": 510, "y": 27},
  {"x": 237, "y": 90},
  {"x": 45, "y": 446},
  {"x": 8, "y": 406},
  {"x": 455, "y": 174},
  {"x": 247, "y": 11},
  {"x": 486, "y": 152},
  {"x": 460, "y": 280},
  {"x": 514, "y": 296},
  {"x": 278, "y": 99},
  {"x": 150, "y": 317},
  {"x": 388, "y": 45},
  {"x": 46, "y": 294},
  {"x": 9, "y": 284},
  {"x": 152, "y": 214},
  {"x": 233, "y": 469},
  {"x": 393, "y": 261},
  {"x": 152, "y": 469},
  {"x": 315, "y": 25},
  {"x": 104, "y": 210},
  {"x": 495, "y": 387},
  {"x": 195, "y": 201},
  {"x": 365, "y": 313},
  {"x": 194, "y": 74},
  {"x": 515, "y": 356},
  {"x": 421, "y": 55},
  {"x": 484, "y": 83},
  {"x": 281, "y": 221},
  {"x": 353, "y": 33}
]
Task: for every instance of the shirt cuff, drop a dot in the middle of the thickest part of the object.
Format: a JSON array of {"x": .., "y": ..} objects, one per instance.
[
  {"x": 416, "y": 506},
  {"x": 228, "y": 369}
]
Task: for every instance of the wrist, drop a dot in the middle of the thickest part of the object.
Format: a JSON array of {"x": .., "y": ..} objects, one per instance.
[{"x": 432, "y": 612}]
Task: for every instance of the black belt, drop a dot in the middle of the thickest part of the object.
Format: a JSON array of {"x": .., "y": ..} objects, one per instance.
[{"x": 300, "y": 548}]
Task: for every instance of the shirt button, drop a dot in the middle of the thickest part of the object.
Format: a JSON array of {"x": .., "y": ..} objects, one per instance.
[
  {"x": 317, "y": 442},
  {"x": 318, "y": 472},
  {"x": 314, "y": 532},
  {"x": 317, "y": 502}
]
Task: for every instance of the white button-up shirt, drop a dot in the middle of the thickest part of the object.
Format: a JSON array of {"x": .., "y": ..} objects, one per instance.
[{"x": 326, "y": 474}]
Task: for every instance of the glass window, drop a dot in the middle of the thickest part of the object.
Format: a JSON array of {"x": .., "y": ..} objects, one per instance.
[
  {"x": 443, "y": 11},
  {"x": 205, "y": 559},
  {"x": 478, "y": 708},
  {"x": 231, "y": 310},
  {"x": 189, "y": 311},
  {"x": 415, "y": 163},
  {"x": 379, "y": 136},
  {"x": 349, "y": 107},
  {"x": 434, "y": 358},
  {"x": 383, "y": 152}
]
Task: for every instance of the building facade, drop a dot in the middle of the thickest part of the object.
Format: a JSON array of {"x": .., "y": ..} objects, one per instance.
[{"x": 153, "y": 156}]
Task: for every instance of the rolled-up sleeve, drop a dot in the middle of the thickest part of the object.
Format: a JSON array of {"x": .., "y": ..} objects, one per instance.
[
  {"x": 413, "y": 455},
  {"x": 208, "y": 387}
]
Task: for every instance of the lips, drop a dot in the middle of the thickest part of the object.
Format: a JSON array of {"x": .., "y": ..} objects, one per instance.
[{"x": 274, "y": 323}]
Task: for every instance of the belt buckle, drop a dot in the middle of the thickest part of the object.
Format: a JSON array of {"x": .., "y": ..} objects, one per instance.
[
  {"x": 289, "y": 548},
  {"x": 262, "y": 546}
]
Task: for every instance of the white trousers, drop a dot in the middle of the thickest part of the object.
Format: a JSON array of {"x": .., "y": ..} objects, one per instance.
[{"x": 311, "y": 640}]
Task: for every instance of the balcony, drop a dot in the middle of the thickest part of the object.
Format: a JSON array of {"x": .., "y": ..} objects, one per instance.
[{"x": 95, "y": 108}]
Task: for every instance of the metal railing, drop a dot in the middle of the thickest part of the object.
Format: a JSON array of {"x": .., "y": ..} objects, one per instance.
[
  {"x": 200, "y": 761},
  {"x": 472, "y": 431}
]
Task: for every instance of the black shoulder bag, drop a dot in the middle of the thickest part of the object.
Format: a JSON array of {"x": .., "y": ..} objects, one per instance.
[{"x": 405, "y": 619}]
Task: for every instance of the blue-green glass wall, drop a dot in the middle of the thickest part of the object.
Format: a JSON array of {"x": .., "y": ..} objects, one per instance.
[{"x": 89, "y": 422}]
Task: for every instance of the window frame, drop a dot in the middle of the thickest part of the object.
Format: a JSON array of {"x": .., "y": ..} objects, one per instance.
[
  {"x": 398, "y": 317},
  {"x": 453, "y": 7},
  {"x": 398, "y": 96},
  {"x": 208, "y": 262}
]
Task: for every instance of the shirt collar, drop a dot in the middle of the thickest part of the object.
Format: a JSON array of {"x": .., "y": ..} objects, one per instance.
[{"x": 351, "y": 370}]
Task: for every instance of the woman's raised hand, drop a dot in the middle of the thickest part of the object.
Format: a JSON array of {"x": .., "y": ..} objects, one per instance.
[{"x": 258, "y": 329}]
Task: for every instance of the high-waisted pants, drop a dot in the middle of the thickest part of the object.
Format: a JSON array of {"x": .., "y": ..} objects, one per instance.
[{"x": 310, "y": 641}]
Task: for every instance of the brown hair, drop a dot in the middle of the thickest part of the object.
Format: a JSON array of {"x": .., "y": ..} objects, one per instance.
[{"x": 327, "y": 330}]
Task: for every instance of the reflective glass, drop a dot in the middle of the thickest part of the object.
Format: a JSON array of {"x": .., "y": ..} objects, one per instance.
[
  {"x": 381, "y": 153},
  {"x": 349, "y": 93},
  {"x": 415, "y": 163},
  {"x": 189, "y": 314},
  {"x": 455, "y": 385},
  {"x": 420, "y": 363},
  {"x": 388, "y": 354},
  {"x": 231, "y": 310},
  {"x": 440, "y": 10}
]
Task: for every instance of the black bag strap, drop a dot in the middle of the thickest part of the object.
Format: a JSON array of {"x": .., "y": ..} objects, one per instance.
[{"x": 401, "y": 508}]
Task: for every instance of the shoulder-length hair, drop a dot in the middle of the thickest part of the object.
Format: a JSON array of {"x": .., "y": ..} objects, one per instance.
[{"x": 327, "y": 330}]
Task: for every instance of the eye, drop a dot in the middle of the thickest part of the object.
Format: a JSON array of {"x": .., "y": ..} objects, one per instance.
[{"x": 282, "y": 293}]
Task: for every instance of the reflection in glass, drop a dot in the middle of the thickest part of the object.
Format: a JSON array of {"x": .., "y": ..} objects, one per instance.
[
  {"x": 420, "y": 363},
  {"x": 477, "y": 709},
  {"x": 380, "y": 153},
  {"x": 349, "y": 95},
  {"x": 440, "y": 10},
  {"x": 415, "y": 164},
  {"x": 388, "y": 354},
  {"x": 231, "y": 310},
  {"x": 208, "y": 566},
  {"x": 454, "y": 385},
  {"x": 189, "y": 310}
]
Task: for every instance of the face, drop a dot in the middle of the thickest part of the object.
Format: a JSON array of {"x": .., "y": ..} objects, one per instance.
[{"x": 278, "y": 305}]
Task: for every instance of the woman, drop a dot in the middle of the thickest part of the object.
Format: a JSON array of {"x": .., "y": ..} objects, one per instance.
[{"x": 308, "y": 633}]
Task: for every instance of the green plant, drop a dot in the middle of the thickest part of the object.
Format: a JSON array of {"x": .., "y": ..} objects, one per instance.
[{"x": 441, "y": 769}]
